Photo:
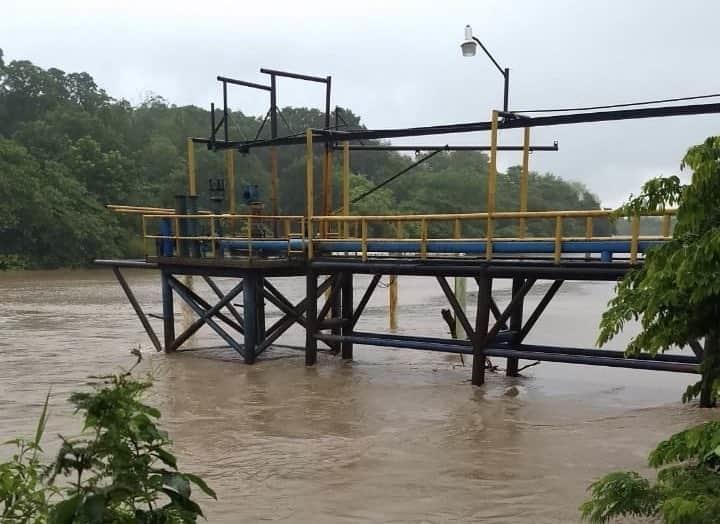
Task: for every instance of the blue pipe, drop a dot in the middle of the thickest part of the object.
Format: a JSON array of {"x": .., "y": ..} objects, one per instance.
[{"x": 606, "y": 247}]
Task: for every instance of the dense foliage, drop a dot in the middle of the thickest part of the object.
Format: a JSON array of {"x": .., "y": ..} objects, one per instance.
[
  {"x": 118, "y": 470},
  {"x": 687, "y": 489},
  {"x": 675, "y": 294},
  {"x": 67, "y": 148}
]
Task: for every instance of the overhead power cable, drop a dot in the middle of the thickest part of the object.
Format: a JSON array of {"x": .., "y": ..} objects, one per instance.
[
  {"x": 628, "y": 104},
  {"x": 396, "y": 175}
]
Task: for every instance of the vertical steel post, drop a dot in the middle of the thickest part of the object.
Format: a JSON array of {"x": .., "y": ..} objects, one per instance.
[
  {"x": 460, "y": 286},
  {"x": 311, "y": 321},
  {"x": 346, "y": 347},
  {"x": 168, "y": 309},
  {"x": 192, "y": 178},
  {"x": 225, "y": 110},
  {"x": 309, "y": 190},
  {"x": 230, "y": 175},
  {"x": 492, "y": 182},
  {"x": 516, "y": 324},
  {"x": 326, "y": 183},
  {"x": 524, "y": 175},
  {"x": 346, "y": 188},
  {"x": 260, "y": 309},
  {"x": 336, "y": 306},
  {"x": 393, "y": 301},
  {"x": 273, "y": 150},
  {"x": 482, "y": 320},
  {"x": 506, "y": 89},
  {"x": 250, "y": 310}
]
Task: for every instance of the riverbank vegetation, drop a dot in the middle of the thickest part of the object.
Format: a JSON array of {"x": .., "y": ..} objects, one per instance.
[
  {"x": 119, "y": 469},
  {"x": 67, "y": 148},
  {"x": 675, "y": 295}
]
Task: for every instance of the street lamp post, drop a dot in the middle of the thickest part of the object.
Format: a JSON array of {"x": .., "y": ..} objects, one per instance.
[{"x": 469, "y": 46}]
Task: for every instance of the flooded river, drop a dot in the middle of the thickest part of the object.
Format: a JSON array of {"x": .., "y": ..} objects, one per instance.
[{"x": 394, "y": 436}]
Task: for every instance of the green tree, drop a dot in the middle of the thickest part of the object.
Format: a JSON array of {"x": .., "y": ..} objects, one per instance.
[{"x": 675, "y": 293}]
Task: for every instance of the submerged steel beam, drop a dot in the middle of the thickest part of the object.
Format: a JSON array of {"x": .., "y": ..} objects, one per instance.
[
  {"x": 138, "y": 310},
  {"x": 364, "y": 300},
  {"x": 519, "y": 352},
  {"x": 208, "y": 313},
  {"x": 187, "y": 296}
]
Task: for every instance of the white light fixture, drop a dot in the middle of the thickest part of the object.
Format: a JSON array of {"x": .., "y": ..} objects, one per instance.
[{"x": 468, "y": 46}]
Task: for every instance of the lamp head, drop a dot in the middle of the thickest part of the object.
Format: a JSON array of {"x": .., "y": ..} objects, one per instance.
[{"x": 468, "y": 46}]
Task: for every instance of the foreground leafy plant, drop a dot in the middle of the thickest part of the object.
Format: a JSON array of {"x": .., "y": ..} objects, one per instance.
[
  {"x": 118, "y": 470},
  {"x": 676, "y": 296},
  {"x": 687, "y": 490}
]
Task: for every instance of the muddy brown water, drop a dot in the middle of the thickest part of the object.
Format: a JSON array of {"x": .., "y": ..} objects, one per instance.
[{"x": 394, "y": 436}]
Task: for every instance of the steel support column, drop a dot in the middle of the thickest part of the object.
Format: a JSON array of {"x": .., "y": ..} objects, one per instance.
[
  {"x": 168, "y": 311},
  {"x": 482, "y": 320},
  {"x": 251, "y": 316},
  {"x": 516, "y": 320},
  {"x": 346, "y": 346},
  {"x": 311, "y": 313}
]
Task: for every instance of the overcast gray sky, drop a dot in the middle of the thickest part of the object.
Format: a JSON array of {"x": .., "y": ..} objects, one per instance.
[{"x": 398, "y": 63}]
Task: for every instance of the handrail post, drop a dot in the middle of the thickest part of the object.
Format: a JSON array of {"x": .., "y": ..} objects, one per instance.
[
  {"x": 363, "y": 240},
  {"x": 144, "y": 234},
  {"x": 558, "y": 238},
  {"x": 588, "y": 232}
]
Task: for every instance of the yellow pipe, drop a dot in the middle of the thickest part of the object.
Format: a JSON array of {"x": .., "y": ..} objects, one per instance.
[
  {"x": 423, "y": 238},
  {"x": 524, "y": 175},
  {"x": 492, "y": 181},
  {"x": 579, "y": 213},
  {"x": 346, "y": 187},
  {"x": 309, "y": 193},
  {"x": 230, "y": 167},
  {"x": 192, "y": 178}
]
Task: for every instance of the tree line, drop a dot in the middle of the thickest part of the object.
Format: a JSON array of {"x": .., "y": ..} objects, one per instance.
[{"x": 67, "y": 148}]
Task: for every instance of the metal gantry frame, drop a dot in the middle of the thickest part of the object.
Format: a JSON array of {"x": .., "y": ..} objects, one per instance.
[{"x": 491, "y": 331}]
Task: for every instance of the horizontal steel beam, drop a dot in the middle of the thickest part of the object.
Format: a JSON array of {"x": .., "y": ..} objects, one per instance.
[
  {"x": 296, "y": 76},
  {"x": 243, "y": 83},
  {"x": 519, "y": 121},
  {"x": 139, "y": 264},
  {"x": 553, "y": 147},
  {"x": 520, "y": 352}
]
